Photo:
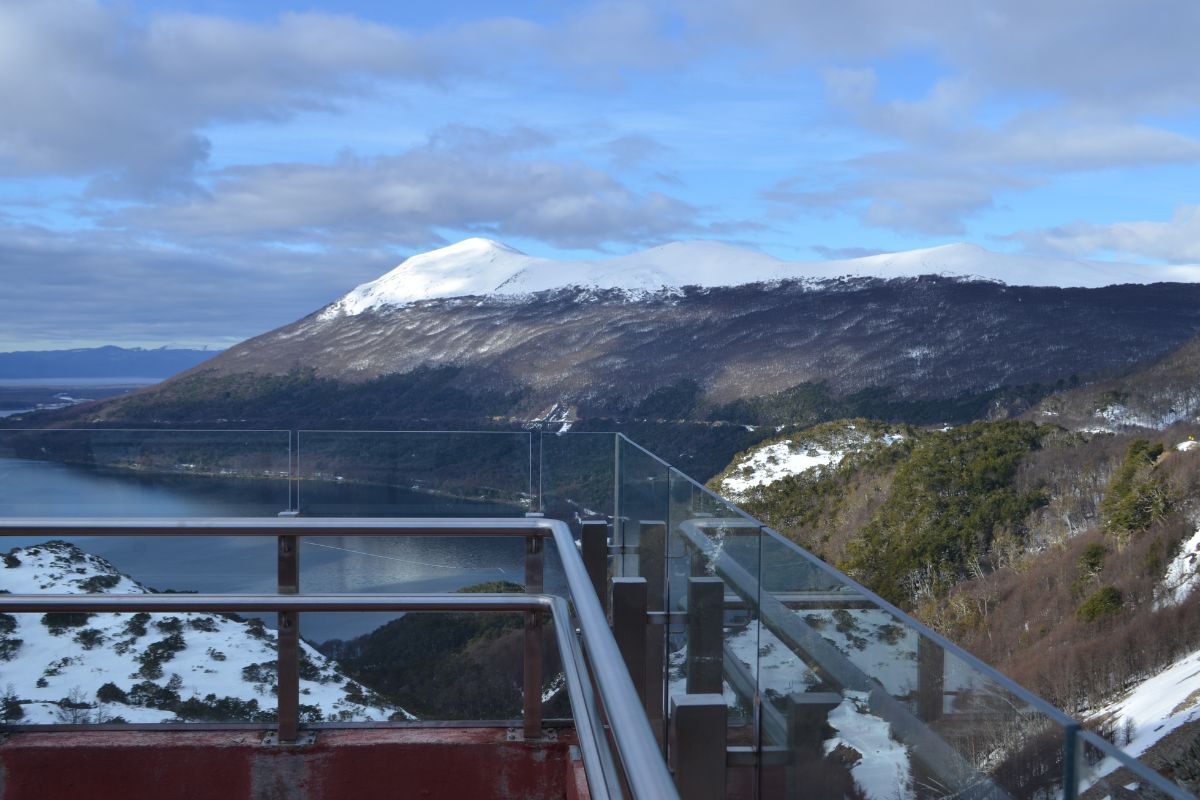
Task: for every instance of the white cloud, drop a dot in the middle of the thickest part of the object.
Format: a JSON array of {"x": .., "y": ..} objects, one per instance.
[
  {"x": 1108, "y": 54},
  {"x": 87, "y": 90},
  {"x": 938, "y": 165},
  {"x": 1176, "y": 240},
  {"x": 463, "y": 179},
  {"x": 97, "y": 286}
]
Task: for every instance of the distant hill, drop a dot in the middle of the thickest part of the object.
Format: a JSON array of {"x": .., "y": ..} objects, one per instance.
[
  {"x": 101, "y": 362},
  {"x": 1149, "y": 396}
]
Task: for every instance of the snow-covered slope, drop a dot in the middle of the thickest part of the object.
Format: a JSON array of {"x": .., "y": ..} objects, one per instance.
[
  {"x": 810, "y": 451},
  {"x": 143, "y": 668},
  {"x": 476, "y": 267},
  {"x": 1153, "y": 709}
]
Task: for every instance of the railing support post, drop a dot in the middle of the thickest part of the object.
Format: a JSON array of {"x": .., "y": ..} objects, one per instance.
[
  {"x": 594, "y": 541},
  {"x": 629, "y": 628},
  {"x": 705, "y": 635},
  {"x": 931, "y": 671},
  {"x": 1071, "y": 761},
  {"x": 807, "y": 716},
  {"x": 534, "y": 563},
  {"x": 698, "y": 741},
  {"x": 652, "y": 563},
  {"x": 287, "y": 686}
]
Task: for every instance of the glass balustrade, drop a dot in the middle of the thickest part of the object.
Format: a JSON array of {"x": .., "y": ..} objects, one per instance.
[{"x": 822, "y": 685}]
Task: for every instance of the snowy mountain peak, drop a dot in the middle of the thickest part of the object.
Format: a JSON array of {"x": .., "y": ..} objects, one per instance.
[{"x": 482, "y": 267}]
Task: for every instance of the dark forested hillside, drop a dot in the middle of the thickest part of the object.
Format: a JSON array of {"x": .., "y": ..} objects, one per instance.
[{"x": 924, "y": 349}]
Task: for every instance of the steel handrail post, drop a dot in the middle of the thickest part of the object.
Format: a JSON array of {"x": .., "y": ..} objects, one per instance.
[
  {"x": 532, "y": 663},
  {"x": 287, "y": 659}
]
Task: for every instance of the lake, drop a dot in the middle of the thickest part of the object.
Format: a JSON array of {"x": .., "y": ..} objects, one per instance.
[{"x": 32, "y": 488}]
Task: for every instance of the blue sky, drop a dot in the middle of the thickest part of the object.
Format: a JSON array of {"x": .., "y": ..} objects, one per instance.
[{"x": 193, "y": 173}]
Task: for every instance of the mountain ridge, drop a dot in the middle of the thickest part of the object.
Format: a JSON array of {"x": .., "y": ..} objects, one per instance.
[
  {"x": 107, "y": 361},
  {"x": 477, "y": 267}
]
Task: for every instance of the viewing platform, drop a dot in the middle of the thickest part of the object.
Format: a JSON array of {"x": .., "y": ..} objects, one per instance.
[{"x": 663, "y": 643}]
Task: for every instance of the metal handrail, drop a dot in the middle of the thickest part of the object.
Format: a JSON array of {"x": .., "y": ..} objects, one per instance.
[
  {"x": 638, "y": 751},
  {"x": 579, "y": 687}
]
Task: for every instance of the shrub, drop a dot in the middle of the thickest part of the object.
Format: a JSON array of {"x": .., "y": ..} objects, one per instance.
[
  {"x": 89, "y": 638},
  {"x": 151, "y": 695},
  {"x": 262, "y": 672},
  {"x": 57, "y": 622},
  {"x": 1102, "y": 603},
  {"x": 98, "y": 583},
  {"x": 221, "y": 709},
  {"x": 135, "y": 626},
  {"x": 1136, "y": 497},
  {"x": 159, "y": 652},
  {"x": 10, "y": 706},
  {"x": 111, "y": 693},
  {"x": 9, "y": 648}
]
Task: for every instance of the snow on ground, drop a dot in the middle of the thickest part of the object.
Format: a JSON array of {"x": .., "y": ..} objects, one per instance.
[
  {"x": 1118, "y": 417},
  {"x": 1190, "y": 444},
  {"x": 1183, "y": 574},
  {"x": 155, "y": 662},
  {"x": 872, "y": 640},
  {"x": 778, "y": 460},
  {"x": 1153, "y": 709},
  {"x": 475, "y": 267},
  {"x": 883, "y": 772},
  {"x": 883, "y": 769},
  {"x": 775, "y": 461}
]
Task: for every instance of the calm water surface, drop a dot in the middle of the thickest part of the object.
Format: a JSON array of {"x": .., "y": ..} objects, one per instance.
[{"x": 247, "y": 565}]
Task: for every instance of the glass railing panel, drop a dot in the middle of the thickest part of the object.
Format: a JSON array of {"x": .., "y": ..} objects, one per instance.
[
  {"x": 406, "y": 565},
  {"x": 413, "y": 473},
  {"x": 154, "y": 473},
  {"x": 577, "y": 475},
  {"x": 713, "y": 547},
  {"x": 448, "y": 667},
  {"x": 642, "y": 496},
  {"x": 987, "y": 732},
  {"x": 1103, "y": 771},
  {"x": 408, "y": 474},
  {"x": 905, "y": 711},
  {"x": 144, "y": 473}
]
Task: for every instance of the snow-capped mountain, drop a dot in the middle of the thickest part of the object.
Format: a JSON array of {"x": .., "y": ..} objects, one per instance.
[
  {"x": 507, "y": 335},
  {"x": 147, "y": 668},
  {"x": 476, "y": 267}
]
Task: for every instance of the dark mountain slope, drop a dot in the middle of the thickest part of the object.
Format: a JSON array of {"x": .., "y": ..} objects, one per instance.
[
  {"x": 1150, "y": 396},
  {"x": 919, "y": 338}
]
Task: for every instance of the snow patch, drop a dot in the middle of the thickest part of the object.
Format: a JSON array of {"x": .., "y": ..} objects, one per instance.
[
  {"x": 883, "y": 772},
  {"x": 773, "y": 462},
  {"x": 1153, "y": 709},
  {"x": 1183, "y": 573}
]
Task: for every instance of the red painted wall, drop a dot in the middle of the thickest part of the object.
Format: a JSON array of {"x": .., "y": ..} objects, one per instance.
[{"x": 223, "y": 765}]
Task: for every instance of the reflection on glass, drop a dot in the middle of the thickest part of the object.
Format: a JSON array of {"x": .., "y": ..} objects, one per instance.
[
  {"x": 577, "y": 473},
  {"x": 413, "y": 474},
  {"x": 131, "y": 473},
  {"x": 443, "y": 666}
]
